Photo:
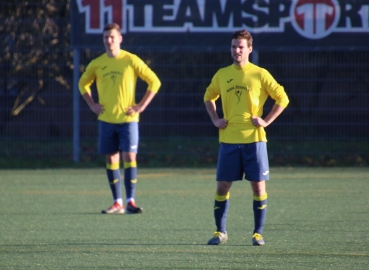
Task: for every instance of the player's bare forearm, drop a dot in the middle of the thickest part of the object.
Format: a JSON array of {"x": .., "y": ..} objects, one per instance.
[
  {"x": 273, "y": 114},
  {"x": 141, "y": 106},
  {"x": 95, "y": 107},
  {"x": 212, "y": 111}
]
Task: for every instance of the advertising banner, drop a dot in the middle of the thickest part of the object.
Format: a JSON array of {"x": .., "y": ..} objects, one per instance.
[{"x": 305, "y": 24}]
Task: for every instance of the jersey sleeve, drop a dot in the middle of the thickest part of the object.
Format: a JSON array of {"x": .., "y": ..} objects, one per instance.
[
  {"x": 212, "y": 92},
  {"x": 87, "y": 79},
  {"x": 146, "y": 74},
  {"x": 275, "y": 90}
]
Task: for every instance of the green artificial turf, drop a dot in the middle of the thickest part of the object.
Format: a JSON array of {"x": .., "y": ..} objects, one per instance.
[{"x": 318, "y": 218}]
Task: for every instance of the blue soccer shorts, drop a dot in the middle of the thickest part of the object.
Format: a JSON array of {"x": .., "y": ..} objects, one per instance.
[
  {"x": 238, "y": 160},
  {"x": 118, "y": 137}
]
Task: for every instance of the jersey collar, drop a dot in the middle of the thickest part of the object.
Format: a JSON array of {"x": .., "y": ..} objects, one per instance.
[{"x": 244, "y": 67}]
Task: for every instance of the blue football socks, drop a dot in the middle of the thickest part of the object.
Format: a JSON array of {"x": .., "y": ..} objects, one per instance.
[
  {"x": 114, "y": 178},
  {"x": 221, "y": 205},
  {"x": 130, "y": 179},
  {"x": 260, "y": 209}
]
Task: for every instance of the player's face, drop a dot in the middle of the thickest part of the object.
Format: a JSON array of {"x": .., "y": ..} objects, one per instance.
[
  {"x": 240, "y": 52},
  {"x": 112, "y": 40}
]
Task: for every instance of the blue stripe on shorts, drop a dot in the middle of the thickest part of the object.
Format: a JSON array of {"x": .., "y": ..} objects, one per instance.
[
  {"x": 238, "y": 160},
  {"x": 118, "y": 137}
]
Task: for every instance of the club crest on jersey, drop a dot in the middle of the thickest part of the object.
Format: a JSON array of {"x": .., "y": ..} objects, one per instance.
[
  {"x": 238, "y": 95},
  {"x": 113, "y": 78}
]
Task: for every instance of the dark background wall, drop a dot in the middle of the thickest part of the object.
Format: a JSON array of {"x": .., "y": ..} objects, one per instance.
[{"x": 325, "y": 123}]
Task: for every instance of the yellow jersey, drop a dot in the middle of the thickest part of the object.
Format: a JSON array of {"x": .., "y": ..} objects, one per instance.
[
  {"x": 116, "y": 84},
  {"x": 244, "y": 91}
]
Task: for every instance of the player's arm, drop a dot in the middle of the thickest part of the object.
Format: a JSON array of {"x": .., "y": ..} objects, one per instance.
[
  {"x": 273, "y": 114},
  {"x": 153, "y": 85},
  {"x": 212, "y": 111},
  {"x": 211, "y": 95},
  {"x": 95, "y": 107},
  {"x": 146, "y": 74},
  {"x": 276, "y": 92},
  {"x": 84, "y": 86},
  {"x": 141, "y": 106}
]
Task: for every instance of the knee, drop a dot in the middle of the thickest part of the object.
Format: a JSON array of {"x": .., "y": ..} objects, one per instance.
[
  {"x": 112, "y": 158},
  {"x": 223, "y": 188},
  {"x": 129, "y": 156},
  {"x": 258, "y": 192},
  {"x": 258, "y": 188}
]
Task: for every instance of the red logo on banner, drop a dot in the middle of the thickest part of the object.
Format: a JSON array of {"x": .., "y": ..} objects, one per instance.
[
  {"x": 315, "y": 18},
  {"x": 312, "y": 19},
  {"x": 95, "y": 11}
]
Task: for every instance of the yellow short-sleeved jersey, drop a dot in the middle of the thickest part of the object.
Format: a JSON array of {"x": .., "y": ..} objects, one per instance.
[
  {"x": 243, "y": 92},
  {"x": 116, "y": 84}
]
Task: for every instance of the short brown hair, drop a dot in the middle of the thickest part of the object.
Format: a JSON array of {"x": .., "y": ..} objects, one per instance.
[
  {"x": 243, "y": 34},
  {"x": 112, "y": 26}
]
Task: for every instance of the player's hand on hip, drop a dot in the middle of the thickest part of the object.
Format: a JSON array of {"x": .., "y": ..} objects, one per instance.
[
  {"x": 97, "y": 108},
  {"x": 258, "y": 122},
  {"x": 131, "y": 111},
  {"x": 221, "y": 123}
]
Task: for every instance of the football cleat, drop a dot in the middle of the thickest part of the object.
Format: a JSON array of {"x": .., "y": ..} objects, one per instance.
[
  {"x": 257, "y": 240},
  {"x": 132, "y": 208},
  {"x": 218, "y": 238},
  {"x": 116, "y": 208}
]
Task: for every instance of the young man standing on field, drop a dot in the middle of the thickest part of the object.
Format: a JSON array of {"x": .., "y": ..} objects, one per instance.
[
  {"x": 115, "y": 73},
  {"x": 244, "y": 88}
]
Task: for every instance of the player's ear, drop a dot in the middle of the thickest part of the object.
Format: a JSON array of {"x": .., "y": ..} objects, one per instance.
[{"x": 250, "y": 49}]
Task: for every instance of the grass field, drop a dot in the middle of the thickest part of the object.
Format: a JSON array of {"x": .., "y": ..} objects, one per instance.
[
  {"x": 318, "y": 218},
  {"x": 182, "y": 152}
]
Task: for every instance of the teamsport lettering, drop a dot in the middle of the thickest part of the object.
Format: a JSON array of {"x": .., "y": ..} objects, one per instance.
[{"x": 312, "y": 19}]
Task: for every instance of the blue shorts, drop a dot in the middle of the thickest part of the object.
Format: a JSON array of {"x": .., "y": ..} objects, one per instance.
[
  {"x": 118, "y": 137},
  {"x": 236, "y": 160}
]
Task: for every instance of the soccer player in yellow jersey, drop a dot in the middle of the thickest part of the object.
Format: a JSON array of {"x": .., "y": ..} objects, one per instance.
[
  {"x": 115, "y": 73},
  {"x": 243, "y": 88}
]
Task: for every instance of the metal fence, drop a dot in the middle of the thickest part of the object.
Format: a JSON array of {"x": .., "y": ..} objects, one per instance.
[{"x": 324, "y": 124}]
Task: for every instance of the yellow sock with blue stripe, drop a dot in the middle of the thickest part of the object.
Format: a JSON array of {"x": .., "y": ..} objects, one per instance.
[
  {"x": 115, "y": 182},
  {"x": 130, "y": 179},
  {"x": 260, "y": 209},
  {"x": 221, "y": 205}
]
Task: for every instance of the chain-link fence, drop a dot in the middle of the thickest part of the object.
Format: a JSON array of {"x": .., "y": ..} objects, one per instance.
[{"x": 324, "y": 124}]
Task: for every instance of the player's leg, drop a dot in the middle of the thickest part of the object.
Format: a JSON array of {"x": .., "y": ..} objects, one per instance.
[
  {"x": 128, "y": 136},
  {"x": 115, "y": 182},
  {"x": 257, "y": 171},
  {"x": 130, "y": 181},
  {"x": 109, "y": 145},
  {"x": 260, "y": 209},
  {"x": 228, "y": 170},
  {"x": 221, "y": 205}
]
